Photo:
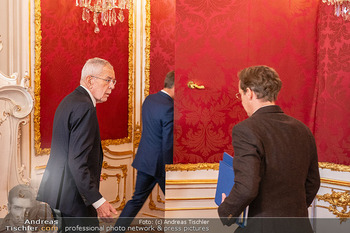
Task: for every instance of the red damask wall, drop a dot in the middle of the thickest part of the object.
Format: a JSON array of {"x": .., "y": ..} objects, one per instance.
[
  {"x": 162, "y": 42},
  {"x": 332, "y": 121},
  {"x": 67, "y": 42},
  {"x": 216, "y": 39}
]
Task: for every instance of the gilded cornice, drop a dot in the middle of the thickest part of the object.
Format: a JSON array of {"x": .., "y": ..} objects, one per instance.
[
  {"x": 37, "y": 81},
  {"x": 215, "y": 166},
  {"x": 334, "y": 167},
  {"x": 192, "y": 167},
  {"x": 148, "y": 47}
]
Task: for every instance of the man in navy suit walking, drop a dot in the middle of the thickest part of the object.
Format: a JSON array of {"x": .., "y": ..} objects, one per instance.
[{"x": 155, "y": 149}]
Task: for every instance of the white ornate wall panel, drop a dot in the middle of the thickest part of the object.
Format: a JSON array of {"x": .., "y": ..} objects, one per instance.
[{"x": 16, "y": 103}]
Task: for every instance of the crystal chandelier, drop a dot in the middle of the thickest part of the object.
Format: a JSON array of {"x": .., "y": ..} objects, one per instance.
[
  {"x": 105, "y": 8},
  {"x": 341, "y": 7}
]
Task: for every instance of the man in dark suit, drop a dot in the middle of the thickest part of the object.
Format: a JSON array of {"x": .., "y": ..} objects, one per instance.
[
  {"x": 275, "y": 161},
  {"x": 71, "y": 180},
  {"x": 155, "y": 149}
]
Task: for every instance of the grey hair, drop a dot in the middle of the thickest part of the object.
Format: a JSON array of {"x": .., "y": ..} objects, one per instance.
[{"x": 94, "y": 66}]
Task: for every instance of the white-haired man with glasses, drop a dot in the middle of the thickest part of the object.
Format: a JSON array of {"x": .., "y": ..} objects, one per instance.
[{"x": 70, "y": 183}]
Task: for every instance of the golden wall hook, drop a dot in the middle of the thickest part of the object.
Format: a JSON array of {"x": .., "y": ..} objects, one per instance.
[{"x": 192, "y": 85}]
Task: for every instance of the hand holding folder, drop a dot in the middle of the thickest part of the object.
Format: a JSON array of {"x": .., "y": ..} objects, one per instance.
[{"x": 225, "y": 184}]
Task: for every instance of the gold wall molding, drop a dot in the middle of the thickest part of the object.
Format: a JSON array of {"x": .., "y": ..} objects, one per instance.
[
  {"x": 337, "y": 199},
  {"x": 152, "y": 205},
  {"x": 41, "y": 167},
  {"x": 189, "y": 182},
  {"x": 215, "y": 166},
  {"x": 148, "y": 47},
  {"x": 335, "y": 182},
  {"x": 192, "y": 167},
  {"x": 334, "y": 166},
  {"x": 151, "y": 215},
  {"x": 37, "y": 81},
  {"x": 159, "y": 198},
  {"x": 105, "y": 176},
  {"x": 124, "y": 169},
  {"x": 117, "y": 153},
  {"x": 137, "y": 135}
]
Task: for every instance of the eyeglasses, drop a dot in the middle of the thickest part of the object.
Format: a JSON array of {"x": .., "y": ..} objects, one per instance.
[
  {"x": 107, "y": 80},
  {"x": 238, "y": 95}
]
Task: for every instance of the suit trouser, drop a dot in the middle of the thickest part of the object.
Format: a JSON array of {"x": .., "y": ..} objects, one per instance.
[{"x": 143, "y": 187}]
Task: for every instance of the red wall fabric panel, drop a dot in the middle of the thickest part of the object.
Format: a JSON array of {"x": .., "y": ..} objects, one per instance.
[
  {"x": 67, "y": 42},
  {"x": 332, "y": 126},
  {"x": 216, "y": 39},
  {"x": 162, "y": 58}
]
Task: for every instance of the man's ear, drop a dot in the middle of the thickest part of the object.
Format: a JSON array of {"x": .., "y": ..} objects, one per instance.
[
  {"x": 89, "y": 81},
  {"x": 250, "y": 94}
]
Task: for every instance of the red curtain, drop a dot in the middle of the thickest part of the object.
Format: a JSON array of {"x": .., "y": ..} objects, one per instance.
[
  {"x": 332, "y": 124},
  {"x": 67, "y": 42},
  {"x": 162, "y": 42}
]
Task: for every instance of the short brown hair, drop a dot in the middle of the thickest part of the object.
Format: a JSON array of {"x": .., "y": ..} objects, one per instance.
[
  {"x": 263, "y": 80},
  {"x": 169, "y": 79}
]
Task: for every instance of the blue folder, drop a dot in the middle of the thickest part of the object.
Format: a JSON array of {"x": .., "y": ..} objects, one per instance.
[{"x": 225, "y": 184}]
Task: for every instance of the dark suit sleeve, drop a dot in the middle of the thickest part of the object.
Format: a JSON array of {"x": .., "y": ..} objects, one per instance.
[
  {"x": 247, "y": 168},
  {"x": 313, "y": 178},
  {"x": 81, "y": 141},
  {"x": 167, "y": 136}
]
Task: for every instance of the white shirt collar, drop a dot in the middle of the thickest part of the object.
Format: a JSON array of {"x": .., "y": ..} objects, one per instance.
[
  {"x": 165, "y": 92},
  {"x": 91, "y": 96}
]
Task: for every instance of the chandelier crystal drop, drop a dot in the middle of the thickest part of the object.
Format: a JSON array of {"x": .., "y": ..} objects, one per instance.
[
  {"x": 341, "y": 7},
  {"x": 105, "y": 10}
]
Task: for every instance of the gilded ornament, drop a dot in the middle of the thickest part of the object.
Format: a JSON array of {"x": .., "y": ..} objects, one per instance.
[
  {"x": 337, "y": 199},
  {"x": 152, "y": 205},
  {"x": 122, "y": 204},
  {"x": 137, "y": 135},
  {"x": 159, "y": 199}
]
